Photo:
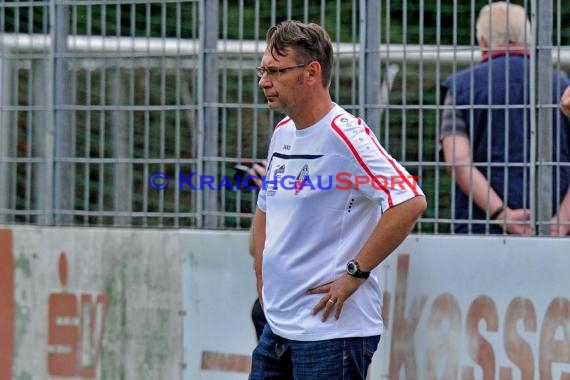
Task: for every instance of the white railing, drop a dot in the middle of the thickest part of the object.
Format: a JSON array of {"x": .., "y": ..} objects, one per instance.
[{"x": 460, "y": 54}]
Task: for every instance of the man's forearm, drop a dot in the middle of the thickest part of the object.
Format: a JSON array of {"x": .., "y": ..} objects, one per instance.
[
  {"x": 564, "y": 210},
  {"x": 391, "y": 230},
  {"x": 258, "y": 239},
  {"x": 565, "y": 102},
  {"x": 457, "y": 152},
  {"x": 474, "y": 184}
]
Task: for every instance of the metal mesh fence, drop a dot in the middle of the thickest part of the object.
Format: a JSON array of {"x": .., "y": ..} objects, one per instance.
[{"x": 102, "y": 101}]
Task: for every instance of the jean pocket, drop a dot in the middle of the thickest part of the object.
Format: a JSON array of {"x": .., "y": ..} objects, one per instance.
[{"x": 370, "y": 346}]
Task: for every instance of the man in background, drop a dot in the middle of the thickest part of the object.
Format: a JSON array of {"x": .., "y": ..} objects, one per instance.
[{"x": 485, "y": 131}]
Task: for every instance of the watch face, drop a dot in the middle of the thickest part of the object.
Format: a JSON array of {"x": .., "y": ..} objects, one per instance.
[{"x": 351, "y": 267}]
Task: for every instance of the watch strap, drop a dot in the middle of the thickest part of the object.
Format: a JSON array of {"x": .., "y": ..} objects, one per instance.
[{"x": 356, "y": 273}]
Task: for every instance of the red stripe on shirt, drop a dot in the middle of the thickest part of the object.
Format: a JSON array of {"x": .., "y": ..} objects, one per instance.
[
  {"x": 283, "y": 122},
  {"x": 359, "y": 159},
  {"x": 396, "y": 168}
]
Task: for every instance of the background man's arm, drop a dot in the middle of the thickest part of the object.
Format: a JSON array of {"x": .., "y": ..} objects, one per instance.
[
  {"x": 565, "y": 102},
  {"x": 457, "y": 150},
  {"x": 560, "y": 220}
]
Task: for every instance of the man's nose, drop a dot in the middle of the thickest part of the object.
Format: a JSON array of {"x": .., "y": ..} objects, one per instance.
[{"x": 264, "y": 81}]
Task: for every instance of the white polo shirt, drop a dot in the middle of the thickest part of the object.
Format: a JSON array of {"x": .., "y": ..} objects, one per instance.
[{"x": 326, "y": 189}]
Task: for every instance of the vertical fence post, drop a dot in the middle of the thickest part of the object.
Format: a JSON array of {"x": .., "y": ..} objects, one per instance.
[
  {"x": 6, "y": 83},
  {"x": 63, "y": 181},
  {"x": 42, "y": 138},
  {"x": 370, "y": 58},
  {"x": 208, "y": 111},
  {"x": 122, "y": 174},
  {"x": 543, "y": 52}
]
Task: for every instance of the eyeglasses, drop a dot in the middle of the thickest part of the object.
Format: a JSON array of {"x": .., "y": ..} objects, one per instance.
[{"x": 274, "y": 71}]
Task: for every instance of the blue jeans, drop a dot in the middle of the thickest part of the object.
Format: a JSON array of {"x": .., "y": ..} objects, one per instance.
[{"x": 335, "y": 359}]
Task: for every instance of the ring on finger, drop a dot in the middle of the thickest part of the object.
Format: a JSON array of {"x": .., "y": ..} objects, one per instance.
[{"x": 332, "y": 301}]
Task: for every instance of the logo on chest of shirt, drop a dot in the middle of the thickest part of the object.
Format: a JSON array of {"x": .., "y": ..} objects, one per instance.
[
  {"x": 279, "y": 181},
  {"x": 302, "y": 179},
  {"x": 274, "y": 179}
]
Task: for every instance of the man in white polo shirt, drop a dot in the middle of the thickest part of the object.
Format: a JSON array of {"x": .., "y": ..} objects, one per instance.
[{"x": 317, "y": 240}]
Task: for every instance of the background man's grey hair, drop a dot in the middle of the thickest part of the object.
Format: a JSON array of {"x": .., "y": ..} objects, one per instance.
[{"x": 503, "y": 24}]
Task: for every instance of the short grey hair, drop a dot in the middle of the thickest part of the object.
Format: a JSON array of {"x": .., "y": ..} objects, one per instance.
[{"x": 502, "y": 23}]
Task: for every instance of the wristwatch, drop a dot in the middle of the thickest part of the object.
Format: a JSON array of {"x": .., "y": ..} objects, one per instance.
[{"x": 353, "y": 269}]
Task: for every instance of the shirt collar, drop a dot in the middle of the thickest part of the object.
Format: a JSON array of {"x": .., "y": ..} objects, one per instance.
[{"x": 510, "y": 49}]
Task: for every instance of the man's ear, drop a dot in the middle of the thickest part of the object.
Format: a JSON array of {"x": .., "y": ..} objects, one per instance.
[
  {"x": 483, "y": 43},
  {"x": 314, "y": 72}
]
